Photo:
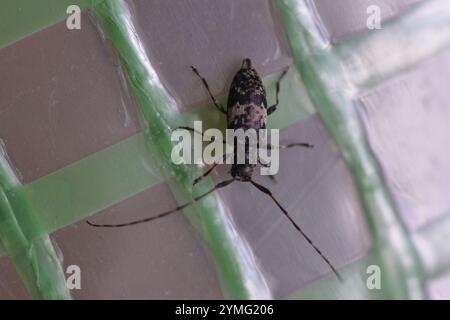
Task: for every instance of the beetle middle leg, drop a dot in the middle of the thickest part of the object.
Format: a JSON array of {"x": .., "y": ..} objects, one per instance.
[
  {"x": 212, "y": 139},
  {"x": 200, "y": 178},
  {"x": 267, "y": 165},
  {"x": 290, "y": 145},
  {"x": 272, "y": 108},
  {"x": 225, "y": 156},
  {"x": 214, "y": 100}
]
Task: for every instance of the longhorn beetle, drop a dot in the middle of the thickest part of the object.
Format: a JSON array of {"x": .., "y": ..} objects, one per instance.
[{"x": 246, "y": 109}]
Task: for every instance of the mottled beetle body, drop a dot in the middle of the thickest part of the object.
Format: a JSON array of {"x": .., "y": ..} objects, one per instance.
[
  {"x": 247, "y": 104},
  {"x": 246, "y": 109}
]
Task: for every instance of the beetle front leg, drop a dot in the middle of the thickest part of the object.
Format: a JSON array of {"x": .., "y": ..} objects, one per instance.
[{"x": 214, "y": 100}]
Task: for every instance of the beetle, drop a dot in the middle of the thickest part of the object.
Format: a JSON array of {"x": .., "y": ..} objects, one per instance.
[{"x": 246, "y": 109}]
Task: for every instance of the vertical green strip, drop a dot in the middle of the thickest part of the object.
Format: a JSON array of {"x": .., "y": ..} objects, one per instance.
[
  {"x": 31, "y": 251},
  {"x": 333, "y": 98},
  {"x": 239, "y": 273}
]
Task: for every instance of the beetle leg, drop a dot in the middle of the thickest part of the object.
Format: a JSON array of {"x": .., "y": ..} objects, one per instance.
[
  {"x": 199, "y": 132},
  {"x": 266, "y": 165},
  {"x": 296, "y": 226},
  {"x": 219, "y": 185},
  {"x": 290, "y": 145},
  {"x": 214, "y": 100},
  {"x": 200, "y": 178},
  {"x": 273, "y": 108}
]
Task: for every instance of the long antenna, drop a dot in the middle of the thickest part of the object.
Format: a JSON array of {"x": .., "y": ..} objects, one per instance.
[
  {"x": 269, "y": 193},
  {"x": 217, "y": 186}
]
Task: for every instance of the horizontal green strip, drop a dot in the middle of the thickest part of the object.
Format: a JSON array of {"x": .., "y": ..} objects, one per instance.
[
  {"x": 92, "y": 184},
  {"x": 20, "y": 18}
]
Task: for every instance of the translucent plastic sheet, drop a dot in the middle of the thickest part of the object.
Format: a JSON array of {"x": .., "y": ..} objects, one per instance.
[{"x": 108, "y": 150}]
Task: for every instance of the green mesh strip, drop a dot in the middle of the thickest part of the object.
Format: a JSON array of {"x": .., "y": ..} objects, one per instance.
[
  {"x": 92, "y": 184},
  {"x": 21, "y": 237}
]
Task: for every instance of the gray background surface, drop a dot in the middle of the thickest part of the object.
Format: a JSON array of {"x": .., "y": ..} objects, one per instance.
[{"x": 167, "y": 259}]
